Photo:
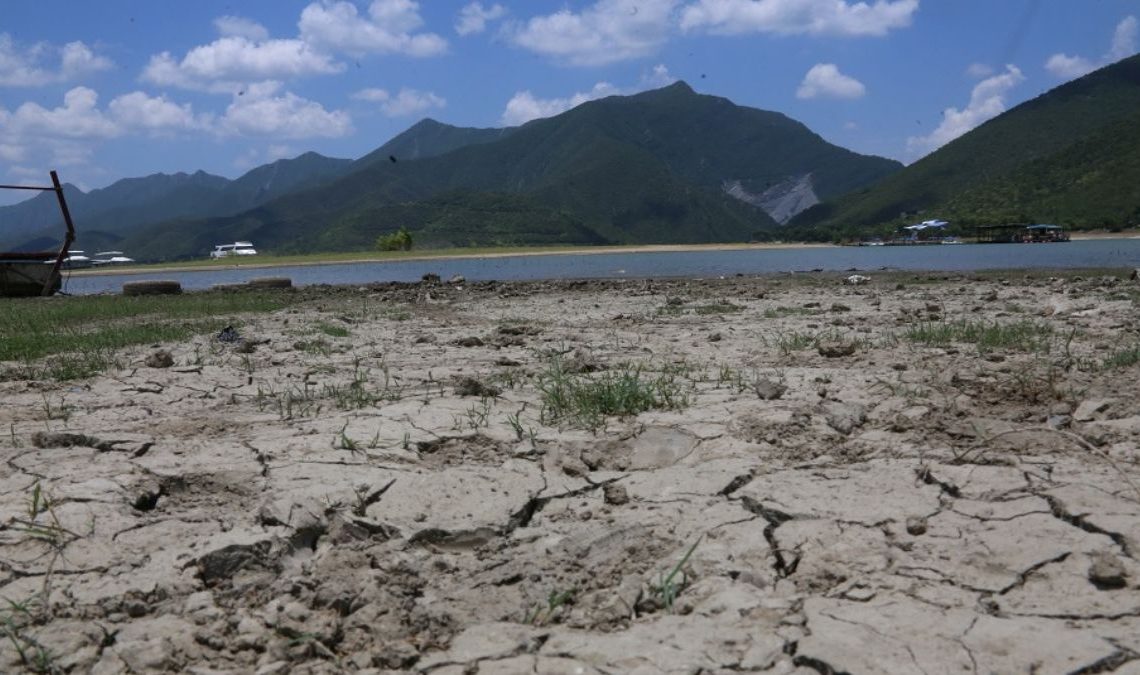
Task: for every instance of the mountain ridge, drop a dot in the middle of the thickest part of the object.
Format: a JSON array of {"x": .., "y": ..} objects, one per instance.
[{"x": 993, "y": 173}]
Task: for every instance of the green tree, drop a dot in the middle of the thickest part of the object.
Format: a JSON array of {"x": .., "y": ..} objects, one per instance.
[{"x": 400, "y": 240}]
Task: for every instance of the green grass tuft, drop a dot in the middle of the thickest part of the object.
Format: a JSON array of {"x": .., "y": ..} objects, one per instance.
[{"x": 587, "y": 401}]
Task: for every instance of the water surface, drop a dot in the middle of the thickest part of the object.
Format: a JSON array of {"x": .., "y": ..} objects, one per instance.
[{"x": 1123, "y": 253}]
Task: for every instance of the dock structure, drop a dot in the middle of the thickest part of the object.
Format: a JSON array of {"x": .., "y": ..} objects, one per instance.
[{"x": 1020, "y": 234}]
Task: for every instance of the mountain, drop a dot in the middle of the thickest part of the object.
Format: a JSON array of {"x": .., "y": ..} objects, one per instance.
[
  {"x": 429, "y": 138},
  {"x": 664, "y": 166},
  {"x": 1071, "y": 156},
  {"x": 102, "y": 217}
]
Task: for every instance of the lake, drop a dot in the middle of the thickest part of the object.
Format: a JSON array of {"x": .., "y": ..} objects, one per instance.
[{"x": 1120, "y": 253}]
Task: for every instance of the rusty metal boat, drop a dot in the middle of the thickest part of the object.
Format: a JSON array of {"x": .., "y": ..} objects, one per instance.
[{"x": 26, "y": 274}]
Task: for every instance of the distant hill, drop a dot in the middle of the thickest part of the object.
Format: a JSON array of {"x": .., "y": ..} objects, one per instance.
[
  {"x": 1070, "y": 156},
  {"x": 665, "y": 166},
  {"x": 103, "y": 216}
]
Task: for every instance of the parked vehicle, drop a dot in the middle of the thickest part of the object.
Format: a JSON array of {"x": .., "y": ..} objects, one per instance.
[{"x": 236, "y": 248}]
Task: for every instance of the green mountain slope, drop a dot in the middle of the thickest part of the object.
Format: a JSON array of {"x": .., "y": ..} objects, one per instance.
[
  {"x": 1069, "y": 155},
  {"x": 649, "y": 168}
]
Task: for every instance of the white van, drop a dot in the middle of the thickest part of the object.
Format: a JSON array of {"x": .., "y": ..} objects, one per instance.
[{"x": 236, "y": 248}]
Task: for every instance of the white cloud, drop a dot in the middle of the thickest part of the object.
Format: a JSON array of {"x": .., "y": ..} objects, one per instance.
[
  {"x": 236, "y": 26},
  {"x": 606, "y": 32},
  {"x": 792, "y": 17},
  {"x": 524, "y": 107},
  {"x": 1124, "y": 44},
  {"x": 987, "y": 100},
  {"x": 979, "y": 70},
  {"x": 262, "y": 111},
  {"x": 137, "y": 111},
  {"x": 78, "y": 117},
  {"x": 825, "y": 81},
  {"x": 1069, "y": 67},
  {"x": 1123, "y": 39},
  {"x": 35, "y": 65},
  {"x": 372, "y": 94},
  {"x": 656, "y": 78},
  {"x": 82, "y": 121},
  {"x": 227, "y": 63},
  {"x": 407, "y": 102},
  {"x": 77, "y": 60},
  {"x": 388, "y": 28},
  {"x": 473, "y": 17}
]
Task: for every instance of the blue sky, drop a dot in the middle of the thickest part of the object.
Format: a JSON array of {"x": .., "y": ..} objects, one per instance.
[{"x": 119, "y": 88}]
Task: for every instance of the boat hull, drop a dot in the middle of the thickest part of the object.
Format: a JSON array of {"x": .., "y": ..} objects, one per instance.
[{"x": 26, "y": 278}]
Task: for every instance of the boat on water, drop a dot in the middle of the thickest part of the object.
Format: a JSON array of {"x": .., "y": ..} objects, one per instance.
[
  {"x": 236, "y": 248},
  {"x": 76, "y": 260},
  {"x": 922, "y": 234},
  {"x": 32, "y": 273},
  {"x": 111, "y": 258}
]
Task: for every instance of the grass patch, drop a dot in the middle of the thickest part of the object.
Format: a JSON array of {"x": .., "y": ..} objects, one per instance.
[
  {"x": 782, "y": 312},
  {"x": 83, "y": 334},
  {"x": 587, "y": 401},
  {"x": 1121, "y": 358},
  {"x": 1026, "y": 335},
  {"x": 331, "y": 330},
  {"x": 675, "y": 307}
]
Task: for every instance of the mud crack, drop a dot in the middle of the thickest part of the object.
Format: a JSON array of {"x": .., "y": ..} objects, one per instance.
[
  {"x": 1110, "y": 663},
  {"x": 1061, "y": 512},
  {"x": 818, "y": 665},
  {"x": 526, "y": 513},
  {"x": 926, "y": 476},
  {"x": 784, "y": 566}
]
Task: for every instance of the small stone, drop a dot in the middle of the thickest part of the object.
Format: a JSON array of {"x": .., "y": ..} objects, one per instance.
[
  {"x": 916, "y": 525},
  {"x": 1088, "y": 409},
  {"x": 469, "y": 386},
  {"x": 160, "y": 359},
  {"x": 839, "y": 307},
  {"x": 769, "y": 390},
  {"x": 715, "y": 337},
  {"x": 859, "y": 593},
  {"x": 471, "y": 341},
  {"x": 456, "y": 280},
  {"x": 1106, "y": 572},
  {"x": 615, "y": 495},
  {"x": 833, "y": 349}
]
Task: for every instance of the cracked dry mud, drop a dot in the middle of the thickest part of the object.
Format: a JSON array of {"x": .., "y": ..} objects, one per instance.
[{"x": 898, "y": 507}]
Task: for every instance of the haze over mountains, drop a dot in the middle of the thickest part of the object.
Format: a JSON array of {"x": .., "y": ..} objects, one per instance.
[{"x": 668, "y": 165}]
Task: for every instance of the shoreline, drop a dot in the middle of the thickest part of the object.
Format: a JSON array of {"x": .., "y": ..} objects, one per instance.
[{"x": 458, "y": 255}]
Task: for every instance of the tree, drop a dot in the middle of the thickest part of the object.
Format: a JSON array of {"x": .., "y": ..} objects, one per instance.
[{"x": 400, "y": 240}]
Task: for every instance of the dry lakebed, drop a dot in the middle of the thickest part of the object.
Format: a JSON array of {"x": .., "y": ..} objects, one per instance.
[{"x": 913, "y": 473}]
